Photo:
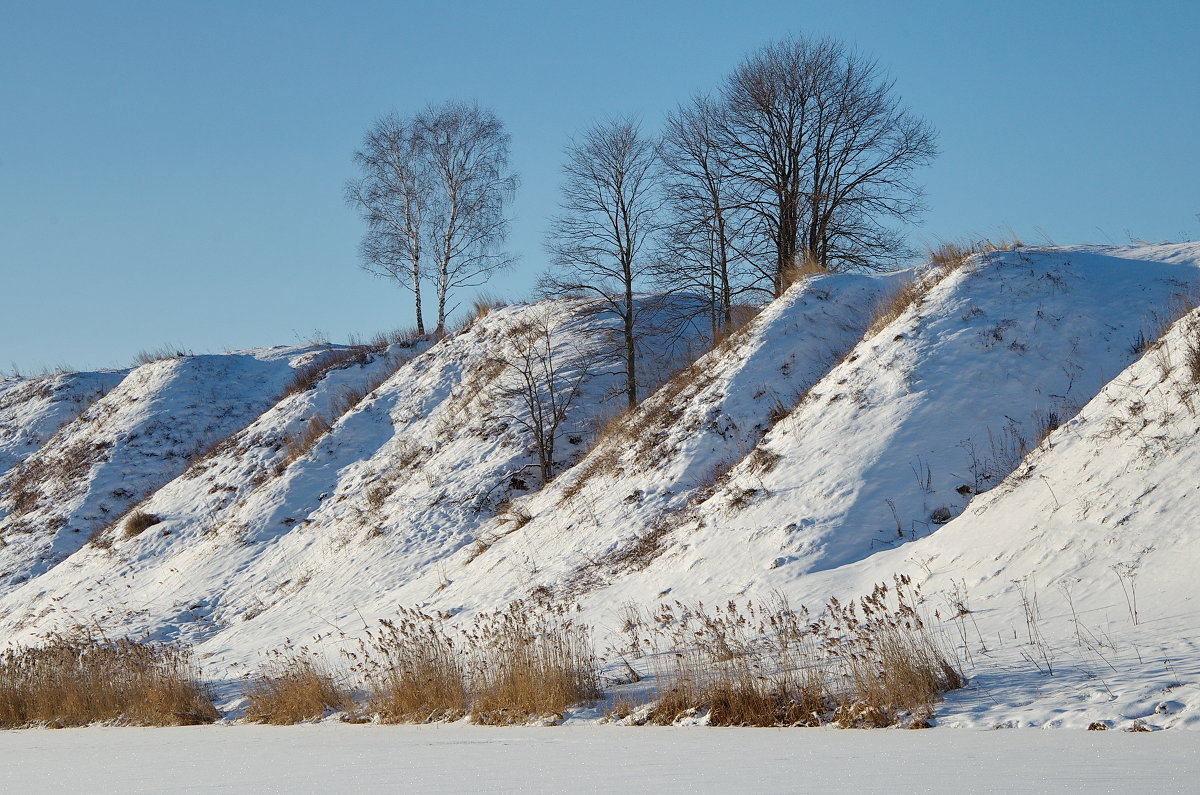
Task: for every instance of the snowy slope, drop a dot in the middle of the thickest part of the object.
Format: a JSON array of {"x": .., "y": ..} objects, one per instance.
[
  {"x": 1097, "y": 531},
  {"x": 33, "y": 409},
  {"x": 934, "y": 407},
  {"x": 125, "y": 445},
  {"x": 400, "y": 480}
]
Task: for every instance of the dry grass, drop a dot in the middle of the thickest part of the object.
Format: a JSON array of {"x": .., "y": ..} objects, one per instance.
[
  {"x": 307, "y": 376},
  {"x": 1191, "y": 354},
  {"x": 138, "y": 522},
  {"x": 293, "y": 689},
  {"x": 158, "y": 354},
  {"x": 867, "y": 663},
  {"x": 65, "y": 463},
  {"x": 945, "y": 260},
  {"x": 413, "y": 670},
  {"x": 299, "y": 445},
  {"x": 804, "y": 265},
  {"x": 82, "y": 679},
  {"x": 528, "y": 661},
  {"x": 483, "y": 303}
]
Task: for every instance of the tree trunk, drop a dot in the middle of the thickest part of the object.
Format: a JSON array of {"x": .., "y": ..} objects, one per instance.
[
  {"x": 630, "y": 346},
  {"x": 416, "y": 277}
]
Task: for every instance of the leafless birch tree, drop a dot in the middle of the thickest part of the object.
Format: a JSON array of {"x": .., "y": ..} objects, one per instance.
[
  {"x": 433, "y": 191},
  {"x": 393, "y": 194},
  {"x": 466, "y": 149}
]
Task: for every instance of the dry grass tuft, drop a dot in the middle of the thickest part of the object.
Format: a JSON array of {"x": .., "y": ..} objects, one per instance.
[
  {"x": 945, "y": 260},
  {"x": 1191, "y": 356},
  {"x": 299, "y": 445},
  {"x": 138, "y": 522},
  {"x": 804, "y": 265},
  {"x": 293, "y": 689},
  {"x": 307, "y": 376},
  {"x": 158, "y": 354},
  {"x": 530, "y": 663},
  {"x": 82, "y": 679},
  {"x": 483, "y": 303}
]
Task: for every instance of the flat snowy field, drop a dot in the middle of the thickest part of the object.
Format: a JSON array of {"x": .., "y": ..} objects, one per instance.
[{"x": 462, "y": 758}]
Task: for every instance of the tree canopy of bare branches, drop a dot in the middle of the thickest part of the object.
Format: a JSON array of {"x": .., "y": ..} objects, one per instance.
[
  {"x": 700, "y": 249},
  {"x": 433, "y": 192},
  {"x": 822, "y": 152},
  {"x": 609, "y": 210}
]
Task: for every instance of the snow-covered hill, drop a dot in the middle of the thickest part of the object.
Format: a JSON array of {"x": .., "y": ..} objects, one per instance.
[
  {"x": 1008, "y": 435},
  {"x": 33, "y": 409}
]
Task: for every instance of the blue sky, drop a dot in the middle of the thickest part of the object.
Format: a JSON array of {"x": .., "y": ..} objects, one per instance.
[{"x": 171, "y": 173}]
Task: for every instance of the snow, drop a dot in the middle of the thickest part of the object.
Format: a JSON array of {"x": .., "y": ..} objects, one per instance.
[
  {"x": 806, "y": 455},
  {"x": 33, "y": 409},
  {"x": 459, "y": 758}
]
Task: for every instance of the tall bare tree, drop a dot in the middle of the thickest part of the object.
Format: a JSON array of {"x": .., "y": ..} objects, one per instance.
[
  {"x": 393, "y": 194},
  {"x": 433, "y": 191},
  {"x": 609, "y": 211},
  {"x": 700, "y": 247},
  {"x": 823, "y": 153},
  {"x": 466, "y": 149}
]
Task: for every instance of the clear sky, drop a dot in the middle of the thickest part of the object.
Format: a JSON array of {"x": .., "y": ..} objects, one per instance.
[{"x": 171, "y": 173}]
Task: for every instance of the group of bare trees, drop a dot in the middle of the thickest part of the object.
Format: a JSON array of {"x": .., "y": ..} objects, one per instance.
[
  {"x": 432, "y": 190},
  {"x": 802, "y": 160}
]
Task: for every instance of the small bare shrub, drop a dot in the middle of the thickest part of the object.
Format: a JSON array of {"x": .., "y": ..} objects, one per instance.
[
  {"x": 81, "y": 679},
  {"x": 376, "y": 496},
  {"x": 293, "y": 689}
]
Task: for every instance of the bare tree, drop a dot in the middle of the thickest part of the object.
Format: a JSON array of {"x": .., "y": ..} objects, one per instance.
[
  {"x": 467, "y": 152},
  {"x": 609, "y": 209},
  {"x": 541, "y": 380},
  {"x": 433, "y": 191},
  {"x": 393, "y": 195},
  {"x": 823, "y": 153},
  {"x": 700, "y": 248}
]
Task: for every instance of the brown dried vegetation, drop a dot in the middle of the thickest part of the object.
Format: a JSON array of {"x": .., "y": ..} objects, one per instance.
[
  {"x": 528, "y": 661},
  {"x": 294, "y": 688},
  {"x": 868, "y": 663},
  {"x": 81, "y": 679}
]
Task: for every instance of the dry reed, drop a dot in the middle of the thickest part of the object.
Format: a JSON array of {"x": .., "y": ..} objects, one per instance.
[
  {"x": 294, "y": 688},
  {"x": 872, "y": 662},
  {"x": 76, "y": 680},
  {"x": 414, "y": 670},
  {"x": 528, "y": 661}
]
